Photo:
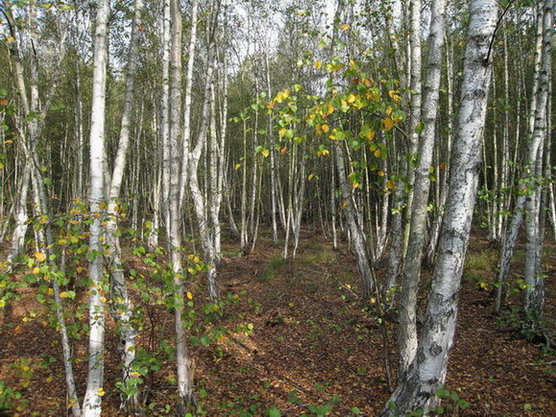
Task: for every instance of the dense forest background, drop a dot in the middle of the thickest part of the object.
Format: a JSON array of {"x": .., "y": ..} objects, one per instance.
[{"x": 184, "y": 181}]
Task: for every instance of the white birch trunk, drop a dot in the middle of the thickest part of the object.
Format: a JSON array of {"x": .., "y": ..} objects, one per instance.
[
  {"x": 199, "y": 197},
  {"x": 428, "y": 370},
  {"x": 415, "y": 108},
  {"x": 165, "y": 114},
  {"x": 183, "y": 362},
  {"x": 407, "y": 336},
  {"x": 187, "y": 103},
  {"x": 92, "y": 403},
  {"x": 444, "y": 156},
  {"x": 534, "y": 293},
  {"x": 363, "y": 263},
  {"x": 510, "y": 237},
  {"x": 122, "y": 307}
]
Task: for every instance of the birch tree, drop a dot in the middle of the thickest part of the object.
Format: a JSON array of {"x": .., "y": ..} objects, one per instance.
[
  {"x": 428, "y": 370},
  {"x": 173, "y": 24},
  {"x": 95, "y": 377},
  {"x": 528, "y": 178},
  {"x": 122, "y": 306},
  {"x": 34, "y": 112},
  {"x": 534, "y": 292},
  {"x": 407, "y": 338}
]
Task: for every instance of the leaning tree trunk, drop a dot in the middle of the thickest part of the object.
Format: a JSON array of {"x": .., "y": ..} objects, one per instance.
[
  {"x": 357, "y": 238},
  {"x": 534, "y": 292},
  {"x": 122, "y": 306},
  {"x": 510, "y": 237},
  {"x": 407, "y": 336},
  {"x": 428, "y": 370}
]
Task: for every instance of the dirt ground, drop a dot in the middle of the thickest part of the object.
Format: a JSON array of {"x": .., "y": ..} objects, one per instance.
[{"x": 313, "y": 345}]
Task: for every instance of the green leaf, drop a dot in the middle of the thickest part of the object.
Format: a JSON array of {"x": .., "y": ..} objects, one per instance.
[
  {"x": 274, "y": 412},
  {"x": 419, "y": 128}
]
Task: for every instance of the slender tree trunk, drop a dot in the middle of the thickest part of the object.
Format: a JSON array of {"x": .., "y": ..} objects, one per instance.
[
  {"x": 122, "y": 307},
  {"x": 187, "y": 102},
  {"x": 365, "y": 268},
  {"x": 183, "y": 361},
  {"x": 92, "y": 404},
  {"x": 407, "y": 337},
  {"x": 534, "y": 292},
  {"x": 415, "y": 109},
  {"x": 444, "y": 155},
  {"x": 510, "y": 237},
  {"x": 428, "y": 370}
]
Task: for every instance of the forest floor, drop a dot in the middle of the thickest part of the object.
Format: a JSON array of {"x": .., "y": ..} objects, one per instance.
[{"x": 313, "y": 347}]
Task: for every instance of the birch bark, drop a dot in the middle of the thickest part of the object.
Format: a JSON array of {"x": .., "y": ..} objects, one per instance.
[
  {"x": 428, "y": 370},
  {"x": 407, "y": 337},
  {"x": 122, "y": 307},
  {"x": 183, "y": 362},
  {"x": 510, "y": 236},
  {"x": 534, "y": 293},
  {"x": 93, "y": 398}
]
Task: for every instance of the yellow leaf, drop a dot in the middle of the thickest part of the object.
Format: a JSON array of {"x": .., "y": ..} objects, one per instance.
[
  {"x": 36, "y": 271},
  {"x": 325, "y": 128},
  {"x": 101, "y": 392},
  {"x": 336, "y": 66},
  {"x": 390, "y": 184},
  {"x": 394, "y": 95},
  {"x": 282, "y": 95},
  {"x": 10, "y": 39},
  {"x": 377, "y": 153},
  {"x": 134, "y": 374},
  {"x": 189, "y": 295},
  {"x": 71, "y": 403},
  {"x": 238, "y": 166},
  {"x": 345, "y": 26},
  {"x": 318, "y": 64},
  {"x": 102, "y": 299},
  {"x": 381, "y": 173},
  {"x": 350, "y": 98},
  {"x": 388, "y": 124},
  {"x": 389, "y": 111},
  {"x": 265, "y": 152},
  {"x": 64, "y": 294},
  {"x": 39, "y": 256}
]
